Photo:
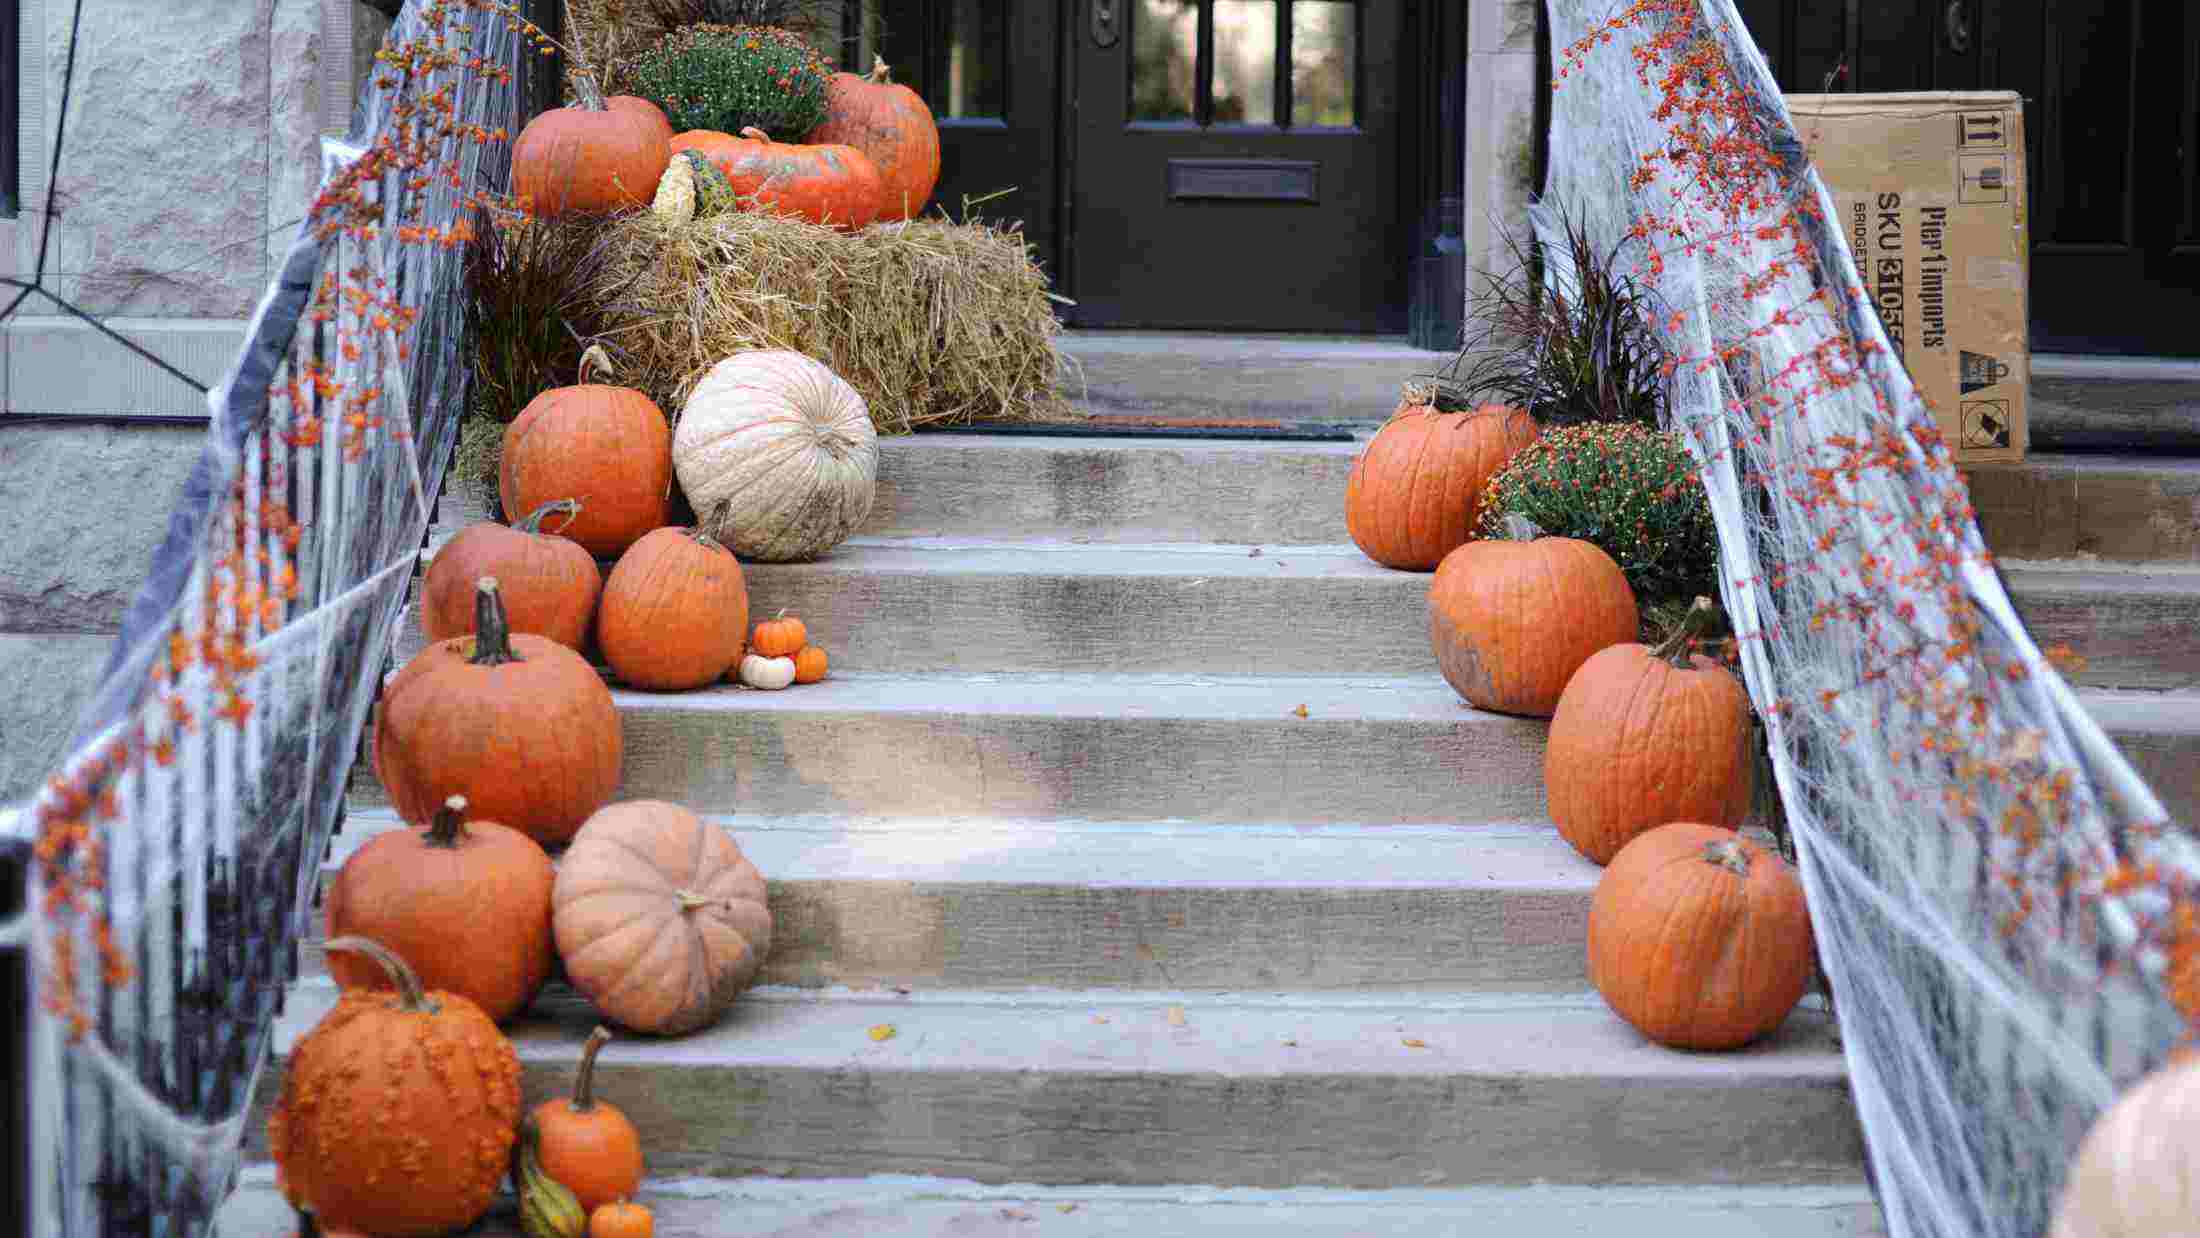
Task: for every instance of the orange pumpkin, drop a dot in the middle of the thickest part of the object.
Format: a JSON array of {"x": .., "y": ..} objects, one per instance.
[
  {"x": 809, "y": 664},
  {"x": 550, "y": 584},
  {"x": 398, "y": 1110},
  {"x": 1416, "y": 492},
  {"x": 660, "y": 919},
  {"x": 520, "y": 725},
  {"x": 1644, "y": 736},
  {"x": 608, "y": 447},
  {"x": 623, "y": 1219},
  {"x": 587, "y": 1144},
  {"x": 597, "y": 156},
  {"x": 829, "y": 184},
  {"x": 673, "y": 611},
  {"x": 476, "y": 882},
  {"x": 779, "y": 637},
  {"x": 892, "y": 125},
  {"x": 1699, "y": 938},
  {"x": 1511, "y": 619}
]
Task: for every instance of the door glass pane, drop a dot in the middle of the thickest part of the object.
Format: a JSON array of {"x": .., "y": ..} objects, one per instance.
[
  {"x": 1164, "y": 58},
  {"x": 1245, "y": 62},
  {"x": 1324, "y": 54},
  {"x": 972, "y": 81}
]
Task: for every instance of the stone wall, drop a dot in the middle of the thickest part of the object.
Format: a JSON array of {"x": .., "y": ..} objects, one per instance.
[{"x": 1503, "y": 77}]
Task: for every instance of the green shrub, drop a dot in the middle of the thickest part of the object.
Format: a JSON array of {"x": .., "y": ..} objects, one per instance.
[
  {"x": 729, "y": 78},
  {"x": 1634, "y": 492}
]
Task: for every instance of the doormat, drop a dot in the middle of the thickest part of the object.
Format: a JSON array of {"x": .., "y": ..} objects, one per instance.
[{"x": 1225, "y": 428}]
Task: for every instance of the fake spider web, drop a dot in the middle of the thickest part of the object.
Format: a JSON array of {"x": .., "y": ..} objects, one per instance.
[
  {"x": 2006, "y": 916},
  {"x": 177, "y": 850}
]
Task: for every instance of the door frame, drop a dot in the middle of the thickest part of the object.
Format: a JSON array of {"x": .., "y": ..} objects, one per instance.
[{"x": 1431, "y": 145}]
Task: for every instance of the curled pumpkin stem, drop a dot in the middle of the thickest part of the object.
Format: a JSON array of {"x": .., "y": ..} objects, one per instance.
[
  {"x": 1681, "y": 644},
  {"x": 411, "y": 996},
  {"x": 1519, "y": 528},
  {"x": 595, "y": 359},
  {"x": 584, "y": 1080},
  {"x": 569, "y": 508},
  {"x": 1731, "y": 854}
]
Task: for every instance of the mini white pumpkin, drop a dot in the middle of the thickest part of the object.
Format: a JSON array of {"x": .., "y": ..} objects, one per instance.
[
  {"x": 777, "y": 455},
  {"x": 758, "y": 671},
  {"x": 2137, "y": 1175}
]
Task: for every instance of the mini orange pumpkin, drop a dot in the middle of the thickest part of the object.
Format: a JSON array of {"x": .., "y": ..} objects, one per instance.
[
  {"x": 599, "y": 155},
  {"x": 1513, "y": 618},
  {"x": 1699, "y": 938},
  {"x": 660, "y": 919},
  {"x": 587, "y": 1144},
  {"x": 809, "y": 664},
  {"x": 398, "y": 1110},
  {"x": 780, "y": 636},
  {"x": 1416, "y": 492},
  {"x": 609, "y": 447},
  {"x": 623, "y": 1219},
  {"x": 520, "y": 725},
  {"x": 1644, "y": 736},
  {"x": 417, "y": 892},
  {"x": 550, "y": 584},
  {"x": 673, "y": 611}
]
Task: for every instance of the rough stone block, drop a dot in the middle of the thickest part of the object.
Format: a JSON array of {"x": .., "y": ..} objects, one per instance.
[
  {"x": 86, "y": 506},
  {"x": 48, "y": 679}
]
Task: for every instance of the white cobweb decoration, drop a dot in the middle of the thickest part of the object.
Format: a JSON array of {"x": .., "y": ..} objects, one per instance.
[{"x": 2006, "y": 916}]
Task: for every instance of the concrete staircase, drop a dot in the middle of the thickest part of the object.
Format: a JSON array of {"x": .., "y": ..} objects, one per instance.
[{"x": 1196, "y": 902}]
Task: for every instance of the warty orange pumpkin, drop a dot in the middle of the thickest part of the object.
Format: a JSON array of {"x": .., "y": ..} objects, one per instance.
[
  {"x": 1645, "y": 736},
  {"x": 660, "y": 919},
  {"x": 398, "y": 1110},
  {"x": 1699, "y": 938},
  {"x": 417, "y": 892},
  {"x": 891, "y": 124},
  {"x": 673, "y": 611},
  {"x": 608, "y": 447},
  {"x": 520, "y": 725},
  {"x": 1511, "y": 619},
  {"x": 1416, "y": 491},
  {"x": 550, "y": 584}
]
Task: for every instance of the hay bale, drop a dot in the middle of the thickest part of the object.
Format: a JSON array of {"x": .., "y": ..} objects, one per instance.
[{"x": 934, "y": 322}]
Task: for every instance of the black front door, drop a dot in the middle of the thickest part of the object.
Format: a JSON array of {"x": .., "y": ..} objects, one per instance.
[
  {"x": 2112, "y": 121},
  {"x": 1237, "y": 165}
]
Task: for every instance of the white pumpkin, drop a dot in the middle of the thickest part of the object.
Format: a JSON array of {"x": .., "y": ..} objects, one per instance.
[
  {"x": 758, "y": 671},
  {"x": 2138, "y": 1172},
  {"x": 777, "y": 455}
]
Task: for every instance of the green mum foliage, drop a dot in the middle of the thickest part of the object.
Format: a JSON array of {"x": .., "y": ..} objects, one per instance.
[
  {"x": 729, "y": 78},
  {"x": 1634, "y": 492}
]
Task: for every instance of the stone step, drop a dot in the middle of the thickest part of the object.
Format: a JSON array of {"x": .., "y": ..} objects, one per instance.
[
  {"x": 906, "y": 1207},
  {"x": 1103, "y": 489},
  {"x": 1221, "y": 750},
  {"x": 2123, "y": 508},
  {"x": 1281, "y": 377},
  {"x": 916, "y": 605},
  {"x": 2115, "y": 404},
  {"x": 992, "y": 904},
  {"x": 2135, "y": 627},
  {"x": 1102, "y": 747},
  {"x": 1151, "y": 1089}
]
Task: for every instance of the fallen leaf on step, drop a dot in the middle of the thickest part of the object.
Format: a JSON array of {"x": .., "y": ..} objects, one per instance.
[
  {"x": 1291, "y": 1042},
  {"x": 882, "y": 1032},
  {"x": 1176, "y": 1016},
  {"x": 1300, "y": 711},
  {"x": 1413, "y": 1043},
  {"x": 1255, "y": 554},
  {"x": 1066, "y": 1208},
  {"x": 1099, "y": 1018}
]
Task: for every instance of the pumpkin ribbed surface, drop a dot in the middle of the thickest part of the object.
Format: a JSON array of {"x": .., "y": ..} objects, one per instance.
[
  {"x": 1637, "y": 742},
  {"x": 608, "y": 447},
  {"x": 2137, "y": 1175},
  {"x": 1416, "y": 491},
  {"x": 674, "y": 611},
  {"x": 549, "y": 583},
  {"x": 589, "y": 159},
  {"x": 777, "y": 455},
  {"x": 1698, "y": 938},
  {"x": 1511, "y": 621},
  {"x": 397, "y": 1117},
  {"x": 660, "y": 919},
  {"x": 829, "y": 184},
  {"x": 891, "y": 124}
]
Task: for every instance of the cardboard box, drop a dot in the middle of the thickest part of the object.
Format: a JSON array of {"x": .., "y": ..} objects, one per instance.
[{"x": 1931, "y": 191}]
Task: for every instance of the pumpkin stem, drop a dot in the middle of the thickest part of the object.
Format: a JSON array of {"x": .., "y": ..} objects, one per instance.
[
  {"x": 1731, "y": 854},
  {"x": 587, "y": 94},
  {"x": 492, "y": 631},
  {"x": 754, "y": 134},
  {"x": 879, "y": 72},
  {"x": 569, "y": 508},
  {"x": 1677, "y": 647},
  {"x": 449, "y": 825},
  {"x": 584, "y": 1080},
  {"x": 1519, "y": 528},
  {"x": 703, "y": 538},
  {"x": 309, "y": 1226},
  {"x": 595, "y": 358},
  {"x": 412, "y": 998},
  {"x": 691, "y": 901}
]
